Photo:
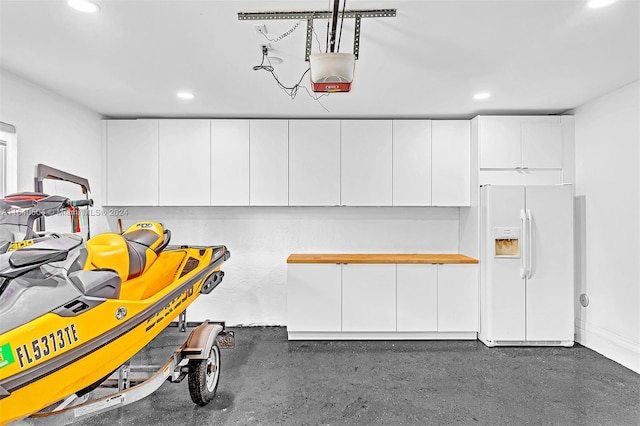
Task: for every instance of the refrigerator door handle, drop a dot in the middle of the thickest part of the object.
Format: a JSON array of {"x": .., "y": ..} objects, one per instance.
[
  {"x": 523, "y": 253},
  {"x": 529, "y": 266}
]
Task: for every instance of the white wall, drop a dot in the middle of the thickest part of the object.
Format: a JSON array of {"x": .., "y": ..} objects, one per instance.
[
  {"x": 261, "y": 238},
  {"x": 607, "y": 156},
  {"x": 53, "y": 131}
]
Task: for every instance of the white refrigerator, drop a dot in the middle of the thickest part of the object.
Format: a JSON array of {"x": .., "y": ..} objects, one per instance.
[{"x": 526, "y": 265}]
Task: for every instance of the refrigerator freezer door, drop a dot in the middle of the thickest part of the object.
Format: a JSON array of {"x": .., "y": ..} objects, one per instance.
[
  {"x": 502, "y": 288},
  {"x": 549, "y": 290}
]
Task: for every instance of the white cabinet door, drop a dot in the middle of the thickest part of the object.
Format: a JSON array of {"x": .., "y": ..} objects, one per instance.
[
  {"x": 500, "y": 146},
  {"x": 417, "y": 297},
  {"x": 529, "y": 142},
  {"x": 230, "y": 162},
  {"x": 314, "y": 297},
  {"x": 411, "y": 162},
  {"x": 185, "y": 165},
  {"x": 457, "y": 297},
  {"x": 132, "y": 162},
  {"x": 369, "y": 297},
  {"x": 366, "y": 164},
  {"x": 269, "y": 163},
  {"x": 542, "y": 142},
  {"x": 314, "y": 162},
  {"x": 451, "y": 162}
]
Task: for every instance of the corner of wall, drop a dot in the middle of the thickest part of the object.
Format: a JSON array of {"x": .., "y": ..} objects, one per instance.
[
  {"x": 568, "y": 149},
  {"x": 607, "y": 183},
  {"x": 612, "y": 346}
]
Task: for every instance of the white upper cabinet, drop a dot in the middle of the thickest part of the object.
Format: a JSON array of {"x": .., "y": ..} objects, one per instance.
[
  {"x": 132, "y": 162},
  {"x": 184, "y": 159},
  {"x": 230, "y": 162},
  {"x": 516, "y": 142},
  {"x": 366, "y": 162},
  {"x": 542, "y": 142},
  {"x": 241, "y": 162},
  {"x": 268, "y": 163},
  {"x": 500, "y": 142},
  {"x": 314, "y": 162},
  {"x": 451, "y": 162},
  {"x": 412, "y": 162}
]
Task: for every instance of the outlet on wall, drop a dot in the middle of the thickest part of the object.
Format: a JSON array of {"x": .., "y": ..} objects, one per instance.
[{"x": 584, "y": 300}]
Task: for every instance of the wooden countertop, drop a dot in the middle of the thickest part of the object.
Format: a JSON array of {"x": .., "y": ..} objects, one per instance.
[{"x": 379, "y": 258}]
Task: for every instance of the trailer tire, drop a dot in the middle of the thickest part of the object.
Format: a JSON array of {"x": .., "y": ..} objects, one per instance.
[{"x": 204, "y": 375}]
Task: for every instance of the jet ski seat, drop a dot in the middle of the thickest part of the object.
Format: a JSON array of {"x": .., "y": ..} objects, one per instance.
[{"x": 131, "y": 253}]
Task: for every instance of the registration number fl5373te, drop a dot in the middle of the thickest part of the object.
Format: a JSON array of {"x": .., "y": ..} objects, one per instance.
[{"x": 46, "y": 345}]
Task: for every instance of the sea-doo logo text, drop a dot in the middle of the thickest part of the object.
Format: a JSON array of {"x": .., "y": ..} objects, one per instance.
[
  {"x": 20, "y": 244},
  {"x": 44, "y": 346},
  {"x": 145, "y": 225},
  {"x": 170, "y": 307}
]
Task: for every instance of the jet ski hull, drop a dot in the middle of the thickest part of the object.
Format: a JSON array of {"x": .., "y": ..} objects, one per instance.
[{"x": 67, "y": 350}]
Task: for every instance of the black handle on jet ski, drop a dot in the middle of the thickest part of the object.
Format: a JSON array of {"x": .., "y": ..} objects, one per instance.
[{"x": 80, "y": 203}]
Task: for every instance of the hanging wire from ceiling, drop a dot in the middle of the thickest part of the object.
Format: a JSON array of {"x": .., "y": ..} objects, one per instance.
[
  {"x": 291, "y": 91},
  {"x": 317, "y": 97},
  {"x": 315, "y": 34}
]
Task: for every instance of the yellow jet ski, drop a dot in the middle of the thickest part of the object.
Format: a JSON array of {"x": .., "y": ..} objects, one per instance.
[{"x": 71, "y": 314}]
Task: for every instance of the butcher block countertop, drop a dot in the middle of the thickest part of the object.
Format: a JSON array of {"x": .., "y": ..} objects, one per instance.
[{"x": 379, "y": 258}]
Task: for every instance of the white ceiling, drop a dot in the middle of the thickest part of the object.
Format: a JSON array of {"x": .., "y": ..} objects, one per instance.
[{"x": 129, "y": 60}]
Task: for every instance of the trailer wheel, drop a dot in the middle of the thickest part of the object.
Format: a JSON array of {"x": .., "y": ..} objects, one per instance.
[{"x": 204, "y": 375}]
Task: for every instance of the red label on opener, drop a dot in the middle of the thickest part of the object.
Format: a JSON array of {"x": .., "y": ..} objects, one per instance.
[{"x": 331, "y": 87}]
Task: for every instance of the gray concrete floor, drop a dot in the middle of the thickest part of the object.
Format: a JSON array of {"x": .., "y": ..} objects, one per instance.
[{"x": 267, "y": 380}]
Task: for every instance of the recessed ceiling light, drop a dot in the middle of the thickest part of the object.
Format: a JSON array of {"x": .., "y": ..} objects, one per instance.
[
  {"x": 594, "y": 4},
  {"x": 185, "y": 95},
  {"x": 84, "y": 6},
  {"x": 482, "y": 95}
]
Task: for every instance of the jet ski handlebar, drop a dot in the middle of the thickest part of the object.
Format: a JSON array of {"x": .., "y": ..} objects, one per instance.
[
  {"x": 45, "y": 204},
  {"x": 79, "y": 203}
]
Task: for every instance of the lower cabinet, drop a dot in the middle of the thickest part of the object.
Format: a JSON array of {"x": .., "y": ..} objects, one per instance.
[
  {"x": 382, "y": 301},
  {"x": 417, "y": 297},
  {"x": 368, "y": 297},
  {"x": 313, "y": 297},
  {"x": 457, "y": 297}
]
